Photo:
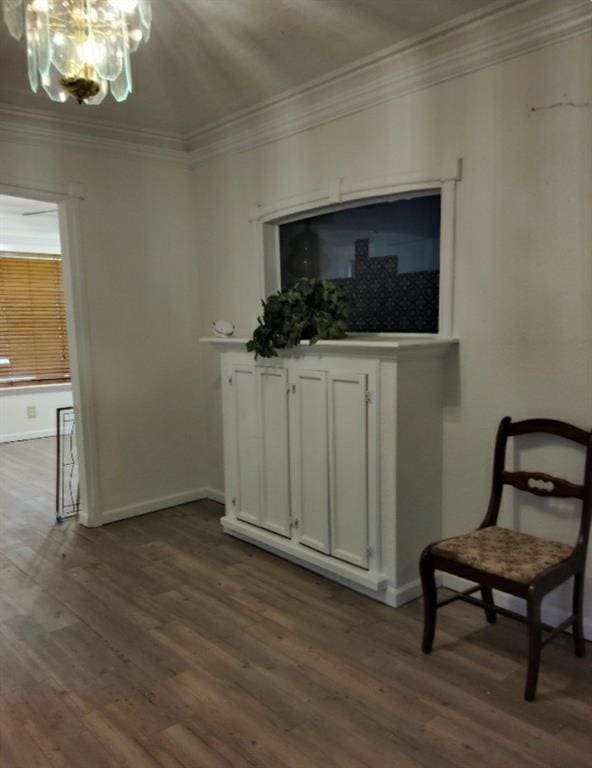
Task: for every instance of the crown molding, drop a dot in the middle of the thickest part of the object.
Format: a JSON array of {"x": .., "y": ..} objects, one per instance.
[
  {"x": 37, "y": 127},
  {"x": 500, "y": 31}
]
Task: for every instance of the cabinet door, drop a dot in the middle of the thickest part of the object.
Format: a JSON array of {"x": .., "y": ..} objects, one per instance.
[
  {"x": 310, "y": 458},
  {"x": 272, "y": 386},
  {"x": 348, "y": 460},
  {"x": 244, "y": 415}
]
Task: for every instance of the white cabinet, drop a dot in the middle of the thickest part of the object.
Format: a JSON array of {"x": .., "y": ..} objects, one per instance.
[
  {"x": 329, "y": 460},
  {"x": 246, "y": 486},
  {"x": 317, "y": 482},
  {"x": 333, "y": 457},
  {"x": 260, "y": 474},
  {"x": 310, "y": 458},
  {"x": 272, "y": 432},
  {"x": 348, "y": 466}
]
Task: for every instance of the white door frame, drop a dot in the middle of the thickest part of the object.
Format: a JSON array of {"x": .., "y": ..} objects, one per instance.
[{"x": 69, "y": 199}]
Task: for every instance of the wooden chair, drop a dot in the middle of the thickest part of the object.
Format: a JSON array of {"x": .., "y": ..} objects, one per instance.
[{"x": 517, "y": 563}]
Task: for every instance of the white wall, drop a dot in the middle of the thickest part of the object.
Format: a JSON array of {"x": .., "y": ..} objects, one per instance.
[
  {"x": 139, "y": 281},
  {"x": 15, "y": 423},
  {"x": 523, "y": 287}
]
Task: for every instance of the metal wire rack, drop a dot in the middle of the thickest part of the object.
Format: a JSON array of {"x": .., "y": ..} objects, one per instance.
[{"x": 67, "y": 477}]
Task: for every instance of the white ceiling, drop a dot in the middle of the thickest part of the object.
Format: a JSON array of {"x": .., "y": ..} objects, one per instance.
[
  {"x": 20, "y": 233},
  {"x": 209, "y": 59}
]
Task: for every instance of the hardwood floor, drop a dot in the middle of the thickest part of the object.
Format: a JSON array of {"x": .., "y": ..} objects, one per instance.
[{"x": 160, "y": 643}]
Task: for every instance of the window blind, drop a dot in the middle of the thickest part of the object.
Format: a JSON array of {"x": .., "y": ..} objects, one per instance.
[{"x": 33, "y": 333}]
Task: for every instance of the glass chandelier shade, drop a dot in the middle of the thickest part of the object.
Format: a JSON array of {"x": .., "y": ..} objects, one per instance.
[{"x": 80, "y": 48}]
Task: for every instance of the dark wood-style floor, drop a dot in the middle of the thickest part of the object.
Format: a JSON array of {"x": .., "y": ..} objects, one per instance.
[{"x": 160, "y": 643}]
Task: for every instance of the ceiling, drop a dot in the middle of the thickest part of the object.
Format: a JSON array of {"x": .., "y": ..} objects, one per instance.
[
  {"x": 22, "y": 233},
  {"x": 209, "y": 59}
]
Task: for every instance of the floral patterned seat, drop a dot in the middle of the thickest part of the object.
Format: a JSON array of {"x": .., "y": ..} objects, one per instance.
[{"x": 503, "y": 552}]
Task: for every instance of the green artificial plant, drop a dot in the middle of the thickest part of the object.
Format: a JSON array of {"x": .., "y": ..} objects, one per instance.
[{"x": 311, "y": 309}]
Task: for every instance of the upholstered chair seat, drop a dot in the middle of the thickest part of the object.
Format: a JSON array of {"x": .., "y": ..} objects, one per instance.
[{"x": 502, "y": 552}]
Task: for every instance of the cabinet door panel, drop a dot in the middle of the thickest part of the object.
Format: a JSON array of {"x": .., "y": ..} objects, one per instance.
[
  {"x": 247, "y": 469},
  {"x": 275, "y": 457},
  {"x": 348, "y": 452},
  {"x": 310, "y": 459}
]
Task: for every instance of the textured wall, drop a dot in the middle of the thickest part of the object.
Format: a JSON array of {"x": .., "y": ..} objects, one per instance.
[
  {"x": 139, "y": 281},
  {"x": 15, "y": 424},
  {"x": 523, "y": 285}
]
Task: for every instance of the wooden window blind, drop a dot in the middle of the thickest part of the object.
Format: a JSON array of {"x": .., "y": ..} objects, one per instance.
[{"x": 33, "y": 333}]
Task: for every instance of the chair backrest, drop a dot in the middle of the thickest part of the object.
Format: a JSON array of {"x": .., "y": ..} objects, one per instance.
[{"x": 541, "y": 483}]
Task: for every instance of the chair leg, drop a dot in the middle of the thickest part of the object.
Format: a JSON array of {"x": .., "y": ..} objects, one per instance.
[
  {"x": 428, "y": 583},
  {"x": 534, "y": 645},
  {"x": 578, "y": 612},
  {"x": 487, "y": 596}
]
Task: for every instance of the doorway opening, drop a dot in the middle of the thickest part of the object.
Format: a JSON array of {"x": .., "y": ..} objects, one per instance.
[{"x": 39, "y": 449}]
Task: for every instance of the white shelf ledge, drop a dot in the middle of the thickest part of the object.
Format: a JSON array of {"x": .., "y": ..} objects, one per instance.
[{"x": 365, "y": 345}]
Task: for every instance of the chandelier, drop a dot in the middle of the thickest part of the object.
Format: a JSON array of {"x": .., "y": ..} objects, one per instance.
[{"x": 80, "y": 48}]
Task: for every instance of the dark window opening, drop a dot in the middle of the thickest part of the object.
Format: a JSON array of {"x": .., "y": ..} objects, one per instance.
[{"x": 385, "y": 256}]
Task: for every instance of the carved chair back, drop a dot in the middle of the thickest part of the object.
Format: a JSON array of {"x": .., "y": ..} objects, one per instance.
[{"x": 541, "y": 483}]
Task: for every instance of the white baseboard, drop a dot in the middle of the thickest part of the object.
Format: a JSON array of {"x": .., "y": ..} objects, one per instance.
[
  {"x": 551, "y": 614},
  {"x": 215, "y": 495},
  {"x": 155, "y": 505},
  {"x": 397, "y": 596},
  {"x": 33, "y": 434}
]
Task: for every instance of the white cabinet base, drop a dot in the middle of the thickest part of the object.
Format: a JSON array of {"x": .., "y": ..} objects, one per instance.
[
  {"x": 337, "y": 570},
  {"x": 375, "y": 586}
]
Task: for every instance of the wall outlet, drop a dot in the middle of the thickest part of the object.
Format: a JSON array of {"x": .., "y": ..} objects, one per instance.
[{"x": 31, "y": 411}]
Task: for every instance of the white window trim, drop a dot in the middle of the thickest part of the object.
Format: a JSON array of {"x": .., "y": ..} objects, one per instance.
[{"x": 337, "y": 194}]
